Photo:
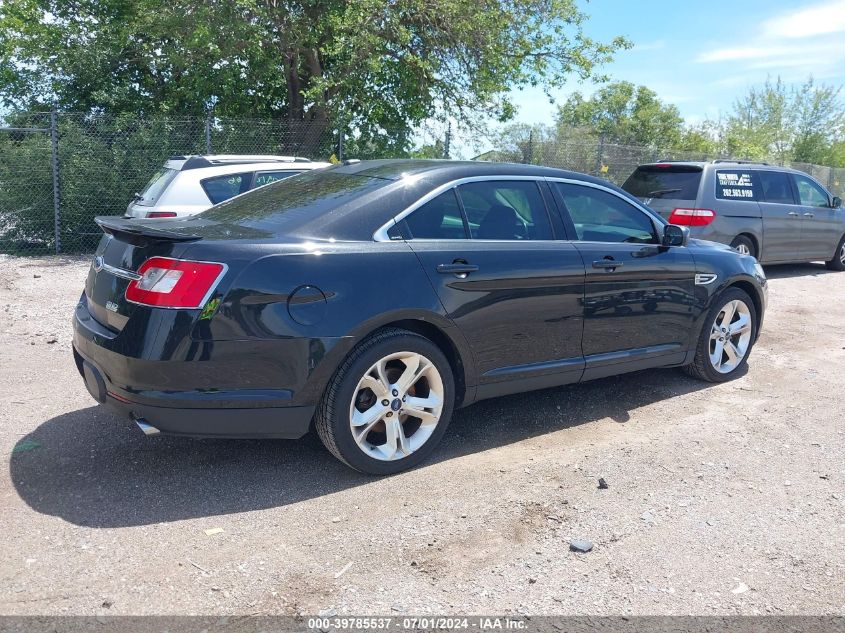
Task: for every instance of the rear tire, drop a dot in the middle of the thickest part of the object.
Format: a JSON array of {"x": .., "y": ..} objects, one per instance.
[
  {"x": 838, "y": 260},
  {"x": 726, "y": 338},
  {"x": 409, "y": 373},
  {"x": 743, "y": 244}
]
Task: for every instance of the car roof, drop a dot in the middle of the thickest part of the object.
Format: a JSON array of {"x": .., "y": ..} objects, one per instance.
[
  {"x": 447, "y": 170},
  {"x": 195, "y": 161}
]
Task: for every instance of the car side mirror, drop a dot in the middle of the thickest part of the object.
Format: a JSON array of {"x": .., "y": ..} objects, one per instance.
[
  {"x": 837, "y": 202},
  {"x": 674, "y": 235}
]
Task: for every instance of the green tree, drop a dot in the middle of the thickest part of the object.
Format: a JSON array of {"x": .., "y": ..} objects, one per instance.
[
  {"x": 788, "y": 124},
  {"x": 626, "y": 114},
  {"x": 380, "y": 67}
]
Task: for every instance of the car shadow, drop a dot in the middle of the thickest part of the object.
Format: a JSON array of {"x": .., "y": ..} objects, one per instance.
[
  {"x": 94, "y": 469},
  {"x": 787, "y": 271}
]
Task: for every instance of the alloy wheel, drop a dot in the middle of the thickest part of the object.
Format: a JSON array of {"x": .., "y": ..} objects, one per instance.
[
  {"x": 842, "y": 253},
  {"x": 743, "y": 249},
  {"x": 730, "y": 336},
  {"x": 396, "y": 406}
]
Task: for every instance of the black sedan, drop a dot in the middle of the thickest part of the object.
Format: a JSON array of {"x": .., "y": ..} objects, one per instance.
[{"x": 371, "y": 299}]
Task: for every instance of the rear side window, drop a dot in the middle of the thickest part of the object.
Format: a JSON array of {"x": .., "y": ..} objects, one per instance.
[
  {"x": 222, "y": 188},
  {"x": 156, "y": 186},
  {"x": 438, "y": 219},
  {"x": 676, "y": 182},
  {"x": 506, "y": 210},
  {"x": 266, "y": 177},
  {"x": 775, "y": 187},
  {"x": 736, "y": 184}
]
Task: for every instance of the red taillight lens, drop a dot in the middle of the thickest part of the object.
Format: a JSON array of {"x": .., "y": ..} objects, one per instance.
[
  {"x": 692, "y": 217},
  {"x": 161, "y": 214},
  {"x": 174, "y": 283}
]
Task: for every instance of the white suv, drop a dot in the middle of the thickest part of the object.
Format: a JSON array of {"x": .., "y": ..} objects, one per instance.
[{"x": 188, "y": 185}]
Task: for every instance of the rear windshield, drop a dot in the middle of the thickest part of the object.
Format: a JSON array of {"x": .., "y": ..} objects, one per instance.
[
  {"x": 293, "y": 200},
  {"x": 158, "y": 183},
  {"x": 678, "y": 182}
]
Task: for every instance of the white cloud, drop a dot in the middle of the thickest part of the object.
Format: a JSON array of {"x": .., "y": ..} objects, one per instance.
[
  {"x": 776, "y": 46},
  {"x": 821, "y": 19}
]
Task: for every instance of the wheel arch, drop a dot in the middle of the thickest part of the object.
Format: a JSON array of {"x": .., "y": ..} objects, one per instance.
[{"x": 445, "y": 339}]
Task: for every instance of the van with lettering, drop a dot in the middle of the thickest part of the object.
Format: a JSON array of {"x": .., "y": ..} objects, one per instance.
[
  {"x": 187, "y": 185},
  {"x": 778, "y": 215}
]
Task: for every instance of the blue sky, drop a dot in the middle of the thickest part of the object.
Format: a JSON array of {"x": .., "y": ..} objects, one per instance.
[{"x": 702, "y": 54}]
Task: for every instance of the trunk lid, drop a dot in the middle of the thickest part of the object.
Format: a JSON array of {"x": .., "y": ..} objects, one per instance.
[{"x": 125, "y": 246}]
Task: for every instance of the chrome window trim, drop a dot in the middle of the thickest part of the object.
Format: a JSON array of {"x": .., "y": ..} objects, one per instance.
[{"x": 381, "y": 235}]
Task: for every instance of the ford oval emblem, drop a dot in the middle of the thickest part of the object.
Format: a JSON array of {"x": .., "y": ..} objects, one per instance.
[{"x": 98, "y": 263}]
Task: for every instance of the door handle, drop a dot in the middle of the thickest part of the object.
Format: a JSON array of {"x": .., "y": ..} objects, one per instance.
[
  {"x": 457, "y": 268},
  {"x": 809, "y": 215},
  {"x": 792, "y": 213},
  {"x": 607, "y": 264}
]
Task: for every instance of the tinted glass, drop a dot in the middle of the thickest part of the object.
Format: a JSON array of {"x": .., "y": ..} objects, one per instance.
[
  {"x": 775, "y": 187},
  {"x": 266, "y": 177},
  {"x": 736, "y": 184},
  {"x": 294, "y": 200},
  {"x": 438, "y": 219},
  {"x": 600, "y": 216},
  {"x": 811, "y": 194},
  {"x": 222, "y": 188},
  {"x": 158, "y": 183},
  {"x": 678, "y": 182},
  {"x": 506, "y": 210}
]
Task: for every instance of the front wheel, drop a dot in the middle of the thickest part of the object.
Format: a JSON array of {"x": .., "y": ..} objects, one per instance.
[
  {"x": 726, "y": 339},
  {"x": 388, "y": 405},
  {"x": 838, "y": 260}
]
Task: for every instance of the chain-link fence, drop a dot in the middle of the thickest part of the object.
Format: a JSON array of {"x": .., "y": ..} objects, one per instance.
[
  {"x": 583, "y": 151},
  {"x": 59, "y": 171}
]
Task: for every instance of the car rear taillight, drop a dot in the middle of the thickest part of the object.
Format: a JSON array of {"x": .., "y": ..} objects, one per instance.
[
  {"x": 692, "y": 217},
  {"x": 161, "y": 214},
  {"x": 174, "y": 283}
]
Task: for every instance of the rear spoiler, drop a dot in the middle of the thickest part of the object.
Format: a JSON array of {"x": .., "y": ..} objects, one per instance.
[{"x": 137, "y": 232}]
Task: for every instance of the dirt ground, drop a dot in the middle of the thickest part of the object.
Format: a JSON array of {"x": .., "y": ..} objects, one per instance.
[{"x": 722, "y": 499}]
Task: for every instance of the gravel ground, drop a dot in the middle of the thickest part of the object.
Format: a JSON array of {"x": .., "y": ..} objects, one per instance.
[{"x": 721, "y": 499}]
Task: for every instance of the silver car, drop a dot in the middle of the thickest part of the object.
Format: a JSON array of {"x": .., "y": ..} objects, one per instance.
[
  {"x": 187, "y": 185},
  {"x": 776, "y": 214}
]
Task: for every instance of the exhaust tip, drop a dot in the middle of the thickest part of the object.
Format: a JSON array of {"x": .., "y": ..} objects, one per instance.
[{"x": 148, "y": 429}]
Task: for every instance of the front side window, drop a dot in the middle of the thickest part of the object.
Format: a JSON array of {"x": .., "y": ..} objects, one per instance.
[
  {"x": 505, "y": 210},
  {"x": 775, "y": 187},
  {"x": 811, "y": 194},
  {"x": 438, "y": 219},
  {"x": 600, "y": 216},
  {"x": 222, "y": 188}
]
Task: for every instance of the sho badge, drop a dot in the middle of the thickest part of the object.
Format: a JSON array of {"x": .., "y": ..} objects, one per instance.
[{"x": 111, "y": 305}]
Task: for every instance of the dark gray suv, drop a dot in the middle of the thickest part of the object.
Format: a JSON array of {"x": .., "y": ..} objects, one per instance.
[{"x": 776, "y": 214}]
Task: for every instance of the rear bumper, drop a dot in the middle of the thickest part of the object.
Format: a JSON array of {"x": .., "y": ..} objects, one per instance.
[
  {"x": 254, "y": 422},
  {"x": 159, "y": 374}
]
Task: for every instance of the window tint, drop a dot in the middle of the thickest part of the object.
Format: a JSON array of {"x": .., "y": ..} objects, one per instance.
[
  {"x": 222, "y": 188},
  {"x": 678, "y": 182},
  {"x": 775, "y": 187},
  {"x": 506, "y": 210},
  {"x": 600, "y": 216},
  {"x": 736, "y": 184},
  {"x": 438, "y": 219},
  {"x": 266, "y": 177},
  {"x": 811, "y": 194},
  {"x": 158, "y": 183}
]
